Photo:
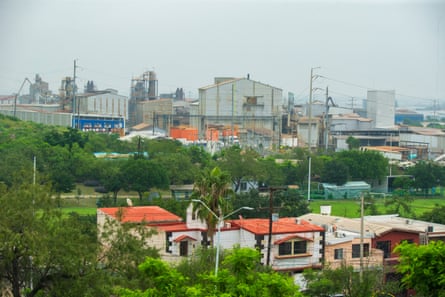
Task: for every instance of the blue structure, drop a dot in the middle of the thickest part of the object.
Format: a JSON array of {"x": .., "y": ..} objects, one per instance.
[
  {"x": 98, "y": 123},
  {"x": 401, "y": 117}
]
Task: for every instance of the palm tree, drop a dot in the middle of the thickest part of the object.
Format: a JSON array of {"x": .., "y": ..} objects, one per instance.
[{"x": 213, "y": 188}]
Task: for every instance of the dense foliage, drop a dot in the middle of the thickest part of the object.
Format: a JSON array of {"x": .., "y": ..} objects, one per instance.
[
  {"x": 423, "y": 267},
  {"x": 241, "y": 275}
]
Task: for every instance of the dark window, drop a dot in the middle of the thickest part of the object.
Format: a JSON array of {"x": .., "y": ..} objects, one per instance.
[
  {"x": 356, "y": 250},
  {"x": 183, "y": 248},
  {"x": 168, "y": 243},
  {"x": 285, "y": 248},
  {"x": 299, "y": 247},
  {"x": 338, "y": 254},
  {"x": 292, "y": 248},
  {"x": 251, "y": 100},
  {"x": 243, "y": 186},
  {"x": 385, "y": 246}
]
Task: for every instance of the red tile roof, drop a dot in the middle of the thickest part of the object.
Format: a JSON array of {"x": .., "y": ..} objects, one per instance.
[
  {"x": 149, "y": 214},
  {"x": 183, "y": 237},
  {"x": 177, "y": 227},
  {"x": 290, "y": 237},
  {"x": 282, "y": 226}
]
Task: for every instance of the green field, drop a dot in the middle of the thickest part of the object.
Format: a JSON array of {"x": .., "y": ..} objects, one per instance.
[
  {"x": 344, "y": 208},
  {"x": 351, "y": 208}
]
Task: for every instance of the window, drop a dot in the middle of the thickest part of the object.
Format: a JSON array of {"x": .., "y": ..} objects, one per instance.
[
  {"x": 168, "y": 243},
  {"x": 292, "y": 248},
  {"x": 338, "y": 254},
  {"x": 251, "y": 100},
  {"x": 356, "y": 250},
  {"x": 385, "y": 246},
  {"x": 183, "y": 248},
  {"x": 243, "y": 186},
  {"x": 299, "y": 247}
]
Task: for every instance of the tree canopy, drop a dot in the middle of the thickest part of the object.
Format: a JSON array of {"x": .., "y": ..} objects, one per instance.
[{"x": 423, "y": 267}]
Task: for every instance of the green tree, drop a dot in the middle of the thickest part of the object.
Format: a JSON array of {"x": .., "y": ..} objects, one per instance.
[
  {"x": 344, "y": 280},
  {"x": 124, "y": 247},
  {"x": 270, "y": 173},
  {"x": 40, "y": 249},
  {"x": 423, "y": 267},
  {"x": 436, "y": 215},
  {"x": 213, "y": 188},
  {"x": 241, "y": 164},
  {"x": 426, "y": 175},
  {"x": 336, "y": 172},
  {"x": 289, "y": 172},
  {"x": 141, "y": 175},
  {"x": 364, "y": 165},
  {"x": 353, "y": 143},
  {"x": 179, "y": 167},
  {"x": 242, "y": 275},
  {"x": 199, "y": 156},
  {"x": 110, "y": 176},
  {"x": 400, "y": 204}
]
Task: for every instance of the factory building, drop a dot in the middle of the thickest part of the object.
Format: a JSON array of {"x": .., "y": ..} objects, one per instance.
[
  {"x": 143, "y": 88},
  {"x": 242, "y": 108},
  {"x": 380, "y": 108}
]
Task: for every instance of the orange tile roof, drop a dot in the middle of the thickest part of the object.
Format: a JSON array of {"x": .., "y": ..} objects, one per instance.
[
  {"x": 178, "y": 227},
  {"x": 183, "y": 237},
  {"x": 283, "y": 225},
  {"x": 290, "y": 237},
  {"x": 149, "y": 214}
]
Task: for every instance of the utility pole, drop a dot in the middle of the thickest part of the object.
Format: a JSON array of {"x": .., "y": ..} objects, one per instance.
[
  {"x": 325, "y": 122},
  {"x": 309, "y": 133},
  {"x": 362, "y": 207},
  {"x": 75, "y": 103},
  {"x": 233, "y": 113}
]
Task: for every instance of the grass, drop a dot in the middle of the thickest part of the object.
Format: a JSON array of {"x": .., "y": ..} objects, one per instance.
[
  {"x": 351, "y": 208},
  {"x": 86, "y": 203}
]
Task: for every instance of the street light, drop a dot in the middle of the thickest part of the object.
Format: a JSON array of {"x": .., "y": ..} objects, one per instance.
[{"x": 220, "y": 219}]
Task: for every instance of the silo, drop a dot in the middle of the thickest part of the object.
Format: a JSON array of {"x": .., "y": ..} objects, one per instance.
[{"x": 152, "y": 86}]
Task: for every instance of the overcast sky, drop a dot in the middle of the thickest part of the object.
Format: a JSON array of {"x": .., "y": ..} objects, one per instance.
[{"x": 359, "y": 45}]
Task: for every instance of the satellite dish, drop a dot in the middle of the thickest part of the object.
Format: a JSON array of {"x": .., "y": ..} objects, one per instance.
[{"x": 129, "y": 202}]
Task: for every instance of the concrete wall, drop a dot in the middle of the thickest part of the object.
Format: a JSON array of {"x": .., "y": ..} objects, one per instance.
[{"x": 380, "y": 107}]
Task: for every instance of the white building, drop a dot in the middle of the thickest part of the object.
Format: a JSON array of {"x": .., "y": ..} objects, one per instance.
[
  {"x": 295, "y": 244},
  {"x": 380, "y": 108},
  {"x": 252, "y": 109},
  {"x": 107, "y": 102}
]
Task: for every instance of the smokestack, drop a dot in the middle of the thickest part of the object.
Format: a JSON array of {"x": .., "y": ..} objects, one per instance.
[{"x": 152, "y": 86}]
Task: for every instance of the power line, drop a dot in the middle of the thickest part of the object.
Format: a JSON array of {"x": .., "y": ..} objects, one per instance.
[{"x": 369, "y": 88}]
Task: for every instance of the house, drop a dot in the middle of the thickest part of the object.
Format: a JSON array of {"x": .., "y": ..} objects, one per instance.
[
  {"x": 343, "y": 239},
  {"x": 381, "y": 232},
  {"x": 294, "y": 244},
  {"x": 413, "y": 231},
  {"x": 154, "y": 217}
]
